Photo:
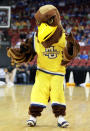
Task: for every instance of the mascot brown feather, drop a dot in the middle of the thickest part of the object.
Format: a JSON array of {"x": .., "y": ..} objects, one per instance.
[{"x": 54, "y": 50}]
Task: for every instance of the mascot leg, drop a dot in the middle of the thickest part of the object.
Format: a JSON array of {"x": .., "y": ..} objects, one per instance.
[
  {"x": 34, "y": 111},
  {"x": 58, "y": 109},
  {"x": 39, "y": 97},
  {"x": 58, "y": 100}
]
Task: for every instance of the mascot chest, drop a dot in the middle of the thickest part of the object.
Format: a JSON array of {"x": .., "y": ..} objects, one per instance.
[{"x": 53, "y": 52}]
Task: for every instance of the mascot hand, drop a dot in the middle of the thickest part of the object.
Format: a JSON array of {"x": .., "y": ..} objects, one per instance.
[
  {"x": 71, "y": 50},
  {"x": 15, "y": 55},
  {"x": 71, "y": 42},
  {"x": 23, "y": 54}
]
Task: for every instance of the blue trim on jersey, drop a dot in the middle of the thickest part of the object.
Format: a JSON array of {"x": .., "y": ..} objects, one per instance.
[{"x": 49, "y": 72}]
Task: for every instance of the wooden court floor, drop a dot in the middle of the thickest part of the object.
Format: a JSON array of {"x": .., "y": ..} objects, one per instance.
[{"x": 14, "y": 102}]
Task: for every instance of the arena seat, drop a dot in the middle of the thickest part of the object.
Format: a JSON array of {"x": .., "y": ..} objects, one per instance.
[
  {"x": 75, "y": 62},
  {"x": 83, "y": 62},
  {"x": 88, "y": 63}
]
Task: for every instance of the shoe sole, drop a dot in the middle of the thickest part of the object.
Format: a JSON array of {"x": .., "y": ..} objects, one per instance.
[{"x": 63, "y": 125}]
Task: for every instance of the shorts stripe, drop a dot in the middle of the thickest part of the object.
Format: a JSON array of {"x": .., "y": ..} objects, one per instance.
[
  {"x": 57, "y": 103},
  {"x": 52, "y": 73},
  {"x": 38, "y": 104}
]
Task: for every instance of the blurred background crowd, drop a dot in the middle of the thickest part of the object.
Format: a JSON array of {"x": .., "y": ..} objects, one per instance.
[{"x": 75, "y": 16}]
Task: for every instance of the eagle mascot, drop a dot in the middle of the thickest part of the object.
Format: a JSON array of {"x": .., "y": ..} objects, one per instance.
[{"x": 54, "y": 49}]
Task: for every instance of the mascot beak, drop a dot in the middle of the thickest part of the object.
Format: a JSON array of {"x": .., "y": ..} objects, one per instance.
[{"x": 45, "y": 31}]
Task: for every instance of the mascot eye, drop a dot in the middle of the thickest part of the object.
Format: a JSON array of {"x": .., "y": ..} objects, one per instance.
[{"x": 51, "y": 20}]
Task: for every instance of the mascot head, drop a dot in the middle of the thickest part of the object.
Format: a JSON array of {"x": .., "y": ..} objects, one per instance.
[{"x": 49, "y": 25}]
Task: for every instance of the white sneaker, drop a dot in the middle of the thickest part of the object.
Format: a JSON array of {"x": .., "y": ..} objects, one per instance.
[
  {"x": 31, "y": 123},
  {"x": 62, "y": 122}
]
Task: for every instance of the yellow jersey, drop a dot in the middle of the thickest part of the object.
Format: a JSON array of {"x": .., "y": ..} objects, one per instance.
[{"x": 49, "y": 59}]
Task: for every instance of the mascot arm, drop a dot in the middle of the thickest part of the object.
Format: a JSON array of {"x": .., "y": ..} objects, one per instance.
[
  {"x": 71, "y": 50},
  {"x": 23, "y": 54}
]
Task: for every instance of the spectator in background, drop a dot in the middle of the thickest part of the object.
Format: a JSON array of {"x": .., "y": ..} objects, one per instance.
[
  {"x": 13, "y": 26},
  {"x": 28, "y": 68},
  {"x": 28, "y": 24},
  {"x": 81, "y": 43},
  {"x": 10, "y": 75},
  {"x": 21, "y": 74},
  {"x": 2, "y": 74},
  {"x": 78, "y": 36},
  {"x": 17, "y": 24},
  {"x": 88, "y": 41},
  {"x": 1, "y": 35},
  {"x": 84, "y": 55}
]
